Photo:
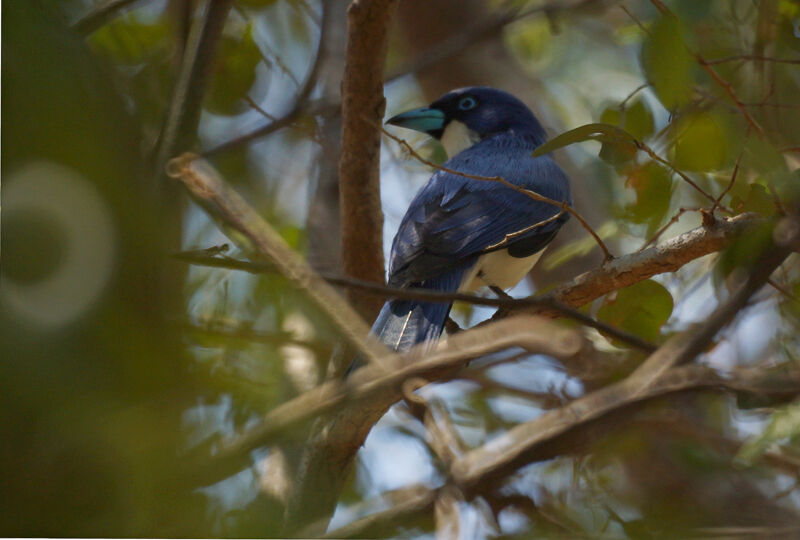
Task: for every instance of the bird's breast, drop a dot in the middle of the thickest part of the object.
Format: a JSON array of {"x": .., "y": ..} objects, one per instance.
[{"x": 499, "y": 269}]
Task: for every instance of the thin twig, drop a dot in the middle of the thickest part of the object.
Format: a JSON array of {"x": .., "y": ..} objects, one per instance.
[
  {"x": 733, "y": 175},
  {"x": 428, "y": 295},
  {"x": 300, "y": 106},
  {"x": 650, "y": 152},
  {"x": 255, "y": 236},
  {"x": 187, "y": 97},
  {"x": 663, "y": 229}
]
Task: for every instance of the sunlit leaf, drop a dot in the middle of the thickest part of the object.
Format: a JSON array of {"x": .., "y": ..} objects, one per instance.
[
  {"x": 605, "y": 133},
  {"x": 641, "y": 309},
  {"x": 668, "y": 63},
  {"x": 234, "y": 73},
  {"x": 701, "y": 143}
]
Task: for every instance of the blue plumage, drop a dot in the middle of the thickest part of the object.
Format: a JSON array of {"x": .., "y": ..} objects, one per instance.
[{"x": 455, "y": 233}]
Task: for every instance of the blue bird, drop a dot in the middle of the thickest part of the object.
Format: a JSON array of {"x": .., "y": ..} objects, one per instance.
[{"x": 460, "y": 234}]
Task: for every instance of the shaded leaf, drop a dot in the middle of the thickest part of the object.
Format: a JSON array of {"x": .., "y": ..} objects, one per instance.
[
  {"x": 653, "y": 186},
  {"x": 234, "y": 73},
  {"x": 667, "y": 63},
  {"x": 642, "y": 309},
  {"x": 757, "y": 200}
]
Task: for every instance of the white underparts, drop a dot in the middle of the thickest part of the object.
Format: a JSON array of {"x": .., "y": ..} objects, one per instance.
[
  {"x": 499, "y": 269},
  {"x": 457, "y": 137}
]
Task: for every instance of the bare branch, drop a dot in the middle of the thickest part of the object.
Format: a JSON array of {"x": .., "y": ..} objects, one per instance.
[
  {"x": 359, "y": 161},
  {"x": 187, "y": 97},
  {"x": 667, "y": 256},
  {"x": 427, "y": 295},
  {"x": 248, "y": 230},
  {"x": 370, "y": 391},
  {"x": 515, "y": 448}
]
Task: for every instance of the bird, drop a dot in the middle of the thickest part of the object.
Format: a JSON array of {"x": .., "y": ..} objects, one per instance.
[{"x": 460, "y": 234}]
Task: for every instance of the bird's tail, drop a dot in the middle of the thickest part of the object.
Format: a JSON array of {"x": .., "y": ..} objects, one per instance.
[{"x": 402, "y": 324}]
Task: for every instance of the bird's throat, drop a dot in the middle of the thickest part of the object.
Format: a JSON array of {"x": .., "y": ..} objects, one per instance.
[{"x": 457, "y": 137}]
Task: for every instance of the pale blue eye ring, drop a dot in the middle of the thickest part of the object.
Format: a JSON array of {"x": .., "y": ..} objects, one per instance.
[{"x": 467, "y": 103}]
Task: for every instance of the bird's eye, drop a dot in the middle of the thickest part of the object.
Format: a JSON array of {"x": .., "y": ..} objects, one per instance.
[{"x": 467, "y": 103}]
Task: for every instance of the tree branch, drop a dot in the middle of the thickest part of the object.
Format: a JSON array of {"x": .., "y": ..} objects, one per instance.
[
  {"x": 187, "y": 96},
  {"x": 255, "y": 236},
  {"x": 369, "y": 392},
  {"x": 667, "y": 256},
  {"x": 200, "y": 257},
  {"x": 359, "y": 175}
]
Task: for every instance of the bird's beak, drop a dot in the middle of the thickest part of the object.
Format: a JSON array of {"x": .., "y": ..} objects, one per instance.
[{"x": 423, "y": 119}]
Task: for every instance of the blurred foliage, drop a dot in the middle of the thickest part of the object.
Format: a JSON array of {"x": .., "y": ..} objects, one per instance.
[{"x": 116, "y": 360}]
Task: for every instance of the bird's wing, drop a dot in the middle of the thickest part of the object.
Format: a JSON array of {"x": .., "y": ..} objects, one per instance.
[{"x": 454, "y": 219}]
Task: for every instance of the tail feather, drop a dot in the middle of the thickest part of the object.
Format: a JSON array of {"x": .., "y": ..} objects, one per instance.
[{"x": 402, "y": 324}]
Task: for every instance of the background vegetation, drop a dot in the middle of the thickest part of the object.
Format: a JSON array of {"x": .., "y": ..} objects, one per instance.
[{"x": 153, "y": 353}]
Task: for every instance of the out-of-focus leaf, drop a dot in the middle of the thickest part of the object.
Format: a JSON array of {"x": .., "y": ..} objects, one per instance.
[
  {"x": 653, "y": 187},
  {"x": 701, "y": 143},
  {"x": 784, "y": 424},
  {"x": 642, "y": 309},
  {"x": 578, "y": 248},
  {"x": 744, "y": 250},
  {"x": 637, "y": 120},
  {"x": 605, "y": 133},
  {"x": 530, "y": 39},
  {"x": 234, "y": 73},
  {"x": 757, "y": 200},
  {"x": 668, "y": 63},
  {"x": 126, "y": 40}
]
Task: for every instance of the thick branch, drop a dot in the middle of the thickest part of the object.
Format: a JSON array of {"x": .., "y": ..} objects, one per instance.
[
  {"x": 363, "y": 106},
  {"x": 667, "y": 256},
  {"x": 485, "y": 468},
  {"x": 514, "y": 448},
  {"x": 370, "y": 391}
]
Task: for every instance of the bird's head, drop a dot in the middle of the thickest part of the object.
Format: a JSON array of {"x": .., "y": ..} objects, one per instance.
[{"x": 462, "y": 117}]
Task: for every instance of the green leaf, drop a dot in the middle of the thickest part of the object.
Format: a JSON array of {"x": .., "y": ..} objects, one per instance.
[
  {"x": 234, "y": 73},
  {"x": 701, "y": 143},
  {"x": 653, "y": 186},
  {"x": 784, "y": 425},
  {"x": 641, "y": 309},
  {"x": 128, "y": 41},
  {"x": 605, "y": 133},
  {"x": 667, "y": 63},
  {"x": 757, "y": 200}
]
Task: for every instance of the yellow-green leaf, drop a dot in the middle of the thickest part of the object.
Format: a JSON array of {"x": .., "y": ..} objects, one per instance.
[{"x": 641, "y": 309}]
